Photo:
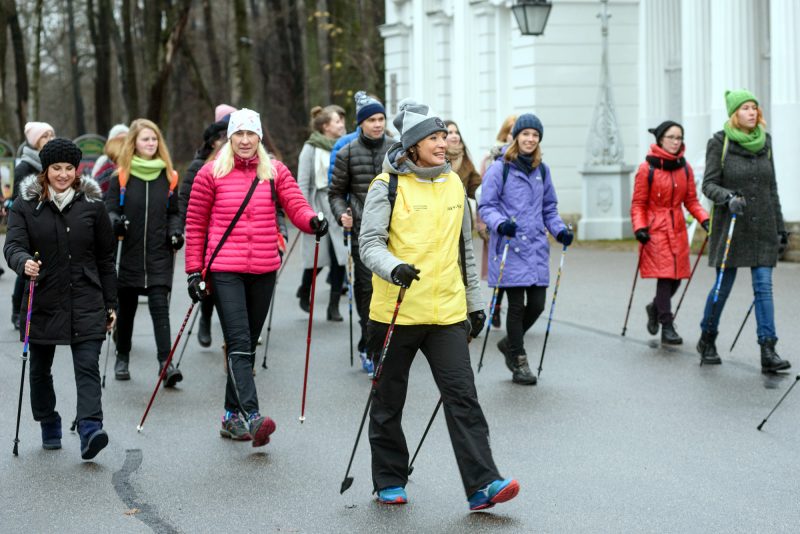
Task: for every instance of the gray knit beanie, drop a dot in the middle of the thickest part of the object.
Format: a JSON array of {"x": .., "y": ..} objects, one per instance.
[{"x": 416, "y": 122}]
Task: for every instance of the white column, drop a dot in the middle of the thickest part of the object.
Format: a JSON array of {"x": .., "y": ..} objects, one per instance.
[
  {"x": 441, "y": 80},
  {"x": 418, "y": 50},
  {"x": 696, "y": 80},
  {"x": 660, "y": 46},
  {"x": 735, "y": 51},
  {"x": 785, "y": 92},
  {"x": 461, "y": 63}
]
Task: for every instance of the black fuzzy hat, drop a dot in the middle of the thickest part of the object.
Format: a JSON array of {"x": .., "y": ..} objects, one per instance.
[
  {"x": 662, "y": 128},
  {"x": 60, "y": 150}
]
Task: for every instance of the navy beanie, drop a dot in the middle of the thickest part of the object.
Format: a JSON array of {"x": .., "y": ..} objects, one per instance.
[
  {"x": 528, "y": 120},
  {"x": 366, "y": 107}
]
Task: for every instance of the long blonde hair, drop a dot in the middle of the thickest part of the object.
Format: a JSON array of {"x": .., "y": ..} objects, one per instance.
[
  {"x": 129, "y": 147},
  {"x": 223, "y": 165}
]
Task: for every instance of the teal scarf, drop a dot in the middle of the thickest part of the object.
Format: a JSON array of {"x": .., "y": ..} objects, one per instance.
[
  {"x": 317, "y": 140},
  {"x": 752, "y": 142},
  {"x": 147, "y": 169}
]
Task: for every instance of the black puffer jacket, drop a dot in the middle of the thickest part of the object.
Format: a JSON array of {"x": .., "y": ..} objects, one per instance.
[
  {"x": 755, "y": 236},
  {"x": 357, "y": 164},
  {"x": 28, "y": 165},
  {"x": 147, "y": 256},
  {"x": 186, "y": 186},
  {"x": 76, "y": 282}
]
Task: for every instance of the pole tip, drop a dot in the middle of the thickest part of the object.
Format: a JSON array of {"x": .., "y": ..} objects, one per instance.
[
  {"x": 302, "y": 419},
  {"x": 139, "y": 428}
]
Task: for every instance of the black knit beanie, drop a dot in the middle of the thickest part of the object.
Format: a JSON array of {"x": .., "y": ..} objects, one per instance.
[
  {"x": 662, "y": 128},
  {"x": 60, "y": 150}
]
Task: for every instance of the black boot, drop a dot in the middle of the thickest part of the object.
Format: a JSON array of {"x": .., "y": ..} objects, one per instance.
[
  {"x": 496, "y": 322},
  {"x": 770, "y": 361},
  {"x": 204, "y": 332},
  {"x": 303, "y": 293},
  {"x": 502, "y": 346},
  {"x": 652, "y": 318},
  {"x": 707, "y": 349},
  {"x": 333, "y": 307},
  {"x": 121, "y": 371},
  {"x": 522, "y": 372},
  {"x": 172, "y": 376},
  {"x": 669, "y": 336}
]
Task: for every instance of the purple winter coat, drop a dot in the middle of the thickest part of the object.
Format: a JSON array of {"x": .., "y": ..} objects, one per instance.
[{"x": 532, "y": 203}]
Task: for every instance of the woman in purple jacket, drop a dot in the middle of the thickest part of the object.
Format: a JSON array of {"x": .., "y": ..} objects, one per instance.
[{"x": 519, "y": 204}]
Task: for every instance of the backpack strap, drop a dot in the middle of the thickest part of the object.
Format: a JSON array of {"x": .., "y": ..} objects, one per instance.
[
  {"x": 392, "y": 197},
  {"x": 123, "y": 186},
  {"x": 506, "y": 170},
  {"x": 650, "y": 174},
  {"x": 173, "y": 183},
  {"x": 724, "y": 152}
]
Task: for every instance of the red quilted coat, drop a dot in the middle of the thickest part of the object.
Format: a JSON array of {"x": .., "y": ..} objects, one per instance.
[
  {"x": 657, "y": 206},
  {"x": 252, "y": 246}
]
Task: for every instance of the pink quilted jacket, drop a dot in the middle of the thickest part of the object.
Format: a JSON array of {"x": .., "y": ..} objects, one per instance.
[{"x": 252, "y": 246}]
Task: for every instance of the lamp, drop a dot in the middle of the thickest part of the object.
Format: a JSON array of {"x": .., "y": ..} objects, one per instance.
[{"x": 531, "y": 15}]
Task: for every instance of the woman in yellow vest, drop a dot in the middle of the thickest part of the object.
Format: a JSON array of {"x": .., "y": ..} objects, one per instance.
[{"x": 415, "y": 229}]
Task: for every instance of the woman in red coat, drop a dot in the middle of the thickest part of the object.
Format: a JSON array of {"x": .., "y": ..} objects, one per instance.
[{"x": 664, "y": 184}]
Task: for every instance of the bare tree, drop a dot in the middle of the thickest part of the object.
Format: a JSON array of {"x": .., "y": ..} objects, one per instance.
[
  {"x": 217, "y": 92},
  {"x": 244, "y": 57},
  {"x": 100, "y": 31},
  {"x": 77, "y": 97},
  {"x": 21, "y": 73},
  {"x": 37, "y": 59}
]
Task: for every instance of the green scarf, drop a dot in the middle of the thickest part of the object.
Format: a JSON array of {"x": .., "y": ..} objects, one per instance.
[
  {"x": 147, "y": 169},
  {"x": 753, "y": 141},
  {"x": 317, "y": 140}
]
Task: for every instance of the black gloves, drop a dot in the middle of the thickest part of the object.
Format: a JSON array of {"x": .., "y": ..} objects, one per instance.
[
  {"x": 565, "y": 237},
  {"x": 197, "y": 287},
  {"x": 736, "y": 203},
  {"x": 176, "y": 242},
  {"x": 121, "y": 227},
  {"x": 706, "y": 225},
  {"x": 319, "y": 226},
  {"x": 404, "y": 274},
  {"x": 476, "y": 320},
  {"x": 783, "y": 242},
  {"x": 507, "y": 228},
  {"x": 642, "y": 235}
]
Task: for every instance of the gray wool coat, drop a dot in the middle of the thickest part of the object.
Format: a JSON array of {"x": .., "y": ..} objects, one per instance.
[{"x": 755, "y": 236}]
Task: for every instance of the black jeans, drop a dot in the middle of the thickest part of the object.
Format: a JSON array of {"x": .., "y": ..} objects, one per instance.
[
  {"x": 665, "y": 290},
  {"x": 85, "y": 361},
  {"x": 362, "y": 293},
  {"x": 446, "y": 349},
  {"x": 525, "y": 305},
  {"x": 242, "y": 302},
  {"x": 158, "y": 302},
  {"x": 16, "y": 296}
]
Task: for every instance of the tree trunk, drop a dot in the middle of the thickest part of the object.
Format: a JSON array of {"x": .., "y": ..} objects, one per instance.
[
  {"x": 37, "y": 59},
  {"x": 174, "y": 34},
  {"x": 244, "y": 58},
  {"x": 77, "y": 97},
  {"x": 217, "y": 92},
  {"x": 129, "y": 80},
  {"x": 102, "y": 54},
  {"x": 5, "y": 123},
  {"x": 18, "y": 46},
  {"x": 324, "y": 51}
]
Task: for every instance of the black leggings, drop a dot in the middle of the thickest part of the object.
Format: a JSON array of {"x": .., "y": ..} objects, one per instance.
[
  {"x": 525, "y": 305},
  {"x": 665, "y": 289},
  {"x": 158, "y": 302}
]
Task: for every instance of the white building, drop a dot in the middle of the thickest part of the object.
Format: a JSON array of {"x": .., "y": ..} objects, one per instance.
[{"x": 669, "y": 59}]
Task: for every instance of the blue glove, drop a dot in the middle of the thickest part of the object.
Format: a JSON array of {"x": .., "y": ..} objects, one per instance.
[
  {"x": 507, "y": 228},
  {"x": 565, "y": 237}
]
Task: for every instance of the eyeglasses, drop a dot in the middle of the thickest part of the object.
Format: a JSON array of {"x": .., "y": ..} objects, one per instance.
[{"x": 674, "y": 138}]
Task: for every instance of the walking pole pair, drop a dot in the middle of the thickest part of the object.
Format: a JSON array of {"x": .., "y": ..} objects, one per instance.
[
  {"x": 272, "y": 300},
  {"x": 31, "y": 286},
  {"x": 494, "y": 300},
  {"x": 310, "y": 322},
  {"x": 746, "y": 317},
  {"x": 686, "y": 288},
  {"x": 553, "y": 305},
  {"x": 718, "y": 285},
  {"x": 633, "y": 289},
  {"x": 348, "y": 480}
]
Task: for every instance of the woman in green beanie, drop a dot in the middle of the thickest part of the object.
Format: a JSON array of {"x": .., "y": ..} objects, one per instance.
[{"x": 740, "y": 179}]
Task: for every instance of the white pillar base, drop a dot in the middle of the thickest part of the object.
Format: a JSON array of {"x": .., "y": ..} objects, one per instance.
[{"x": 606, "y": 202}]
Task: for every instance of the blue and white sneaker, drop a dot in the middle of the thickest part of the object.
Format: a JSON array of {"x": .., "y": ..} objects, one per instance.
[
  {"x": 491, "y": 494},
  {"x": 392, "y": 495},
  {"x": 366, "y": 364}
]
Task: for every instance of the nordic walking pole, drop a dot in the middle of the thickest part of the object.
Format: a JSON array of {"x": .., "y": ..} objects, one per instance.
[
  {"x": 553, "y": 305},
  {"x": 424, "y": 434},
  {"x": 633, "y": 289},
  {"x": 348, "y": 242},
  {"x": 120, "y": 239},
  {"x": 746, "y": 317},
  {"x": 310, "y": 322},
  {"x": 272, "y": 300},
  {"x": 494, "y": 301},
  {"x": 348, "y": 480},
  {"x": 797, "y": 378},
  {"x": 188, "y": 337},
  {"x": 721, "y": 272},
  {"x": 31, "y": 286},
  {"x": 166, "y": 364},
  {"x": 686, "y": 287}
]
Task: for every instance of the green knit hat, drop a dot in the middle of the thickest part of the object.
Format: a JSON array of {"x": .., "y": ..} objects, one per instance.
[{"x": 734, "y": 99}]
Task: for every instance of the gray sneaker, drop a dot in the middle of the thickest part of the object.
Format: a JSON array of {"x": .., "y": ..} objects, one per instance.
[{"x": 234, "y": 428}]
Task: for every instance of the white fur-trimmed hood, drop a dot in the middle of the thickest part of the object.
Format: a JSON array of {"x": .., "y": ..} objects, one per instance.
[{"x": 30, "y": 189}]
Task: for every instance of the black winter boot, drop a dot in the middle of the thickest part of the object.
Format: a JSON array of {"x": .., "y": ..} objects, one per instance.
[
  {"x": 121, "y": 371},
  {"x": 496, "y": 321},
  {"x": 204, "y": 332},
  {"x": 669, "y": 336},
  {"x": 333, "y": 307},
  {"x": 511, "y": 361},
  {"x": 708, "y": 350},
  {"x": 522, "y": 372},
  {"x": 652, "y": 318},
  {"x": 770, "y": 361},
  {"x": 172, "y": 376},
  {"x": 304, "y": 294}
]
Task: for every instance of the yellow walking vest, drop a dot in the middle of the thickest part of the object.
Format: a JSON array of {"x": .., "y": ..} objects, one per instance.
[{"x": 424, "y": 231}]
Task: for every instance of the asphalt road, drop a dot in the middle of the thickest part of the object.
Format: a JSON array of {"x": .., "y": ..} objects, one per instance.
[{"x": 620, "y": 435}]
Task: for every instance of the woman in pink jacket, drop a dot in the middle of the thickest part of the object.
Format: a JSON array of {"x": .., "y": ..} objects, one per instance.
[{"x": 242, "y": 275}]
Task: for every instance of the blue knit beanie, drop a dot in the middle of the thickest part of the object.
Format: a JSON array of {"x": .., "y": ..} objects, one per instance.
[
  {"x": 528, "y": 120},
  {"x": 366, "y": 107}
]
